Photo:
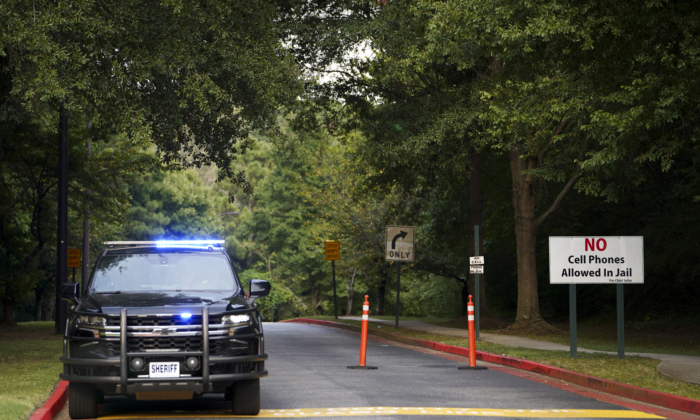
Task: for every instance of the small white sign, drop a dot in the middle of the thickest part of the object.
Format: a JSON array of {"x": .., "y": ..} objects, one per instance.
[
  {"x": 476, "y": 260},
  {"x": 399, "y": 243},
  {"x": 476, "y": 269},
  {"x": 164, "y": 369},
  {"x": 608, "y": 259}
]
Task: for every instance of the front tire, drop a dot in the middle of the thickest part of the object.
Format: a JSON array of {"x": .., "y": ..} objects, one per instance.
[
  {"x": 82, "y": 400},
  {"x": 246, "y": 397}
]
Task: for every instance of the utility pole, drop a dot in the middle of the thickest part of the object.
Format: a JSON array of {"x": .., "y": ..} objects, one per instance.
[
  {"x": 86, "y": 228},
  {"x": 62, "y": 231}
]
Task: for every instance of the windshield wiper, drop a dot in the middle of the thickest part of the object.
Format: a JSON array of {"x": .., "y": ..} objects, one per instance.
[{"x": 109, "y": 293}]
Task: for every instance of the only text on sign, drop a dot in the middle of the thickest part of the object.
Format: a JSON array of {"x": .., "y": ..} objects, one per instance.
[{"x": 399, "y": 243}]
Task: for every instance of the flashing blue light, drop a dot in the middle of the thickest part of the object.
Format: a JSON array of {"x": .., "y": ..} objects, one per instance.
[
  {"x": 190, "y": 242},
  {"x": 185, "y": 315}
]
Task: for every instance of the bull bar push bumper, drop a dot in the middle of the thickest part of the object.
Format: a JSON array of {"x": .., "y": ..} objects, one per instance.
[{"x": 126, "y": 385}]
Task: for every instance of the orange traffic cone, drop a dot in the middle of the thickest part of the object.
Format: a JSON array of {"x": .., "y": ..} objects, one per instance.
[
  {"x": 472, "y": 339},
  {"x": 363, "y": 337}
]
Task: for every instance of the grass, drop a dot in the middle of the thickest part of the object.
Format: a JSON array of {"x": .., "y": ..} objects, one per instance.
[
  {"x": 601, "y": 334},
  {"x": 637, "y": 371},
  {"x": 29, "y": 367}
]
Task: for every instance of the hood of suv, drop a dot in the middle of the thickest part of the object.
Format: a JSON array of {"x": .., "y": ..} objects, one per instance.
[{"x": 161, "y": 301}]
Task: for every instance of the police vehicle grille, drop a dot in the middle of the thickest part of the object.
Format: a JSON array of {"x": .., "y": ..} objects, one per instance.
[
  {"x": 144, "y": 344},
  {"x": 147, "y": 344},
  {"x": 162, "y": 321}
]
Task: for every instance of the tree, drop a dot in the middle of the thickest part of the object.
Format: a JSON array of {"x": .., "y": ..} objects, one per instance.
[
  {"x": 172, "y": 205},
  {"x": 193, "y": 76},
  {"x": 575, "y": 98},
  {"x": 566, "y": 90},
  {"x": 421, "y": 130},
  {"x": 28, "y": 187},
  {"x": 349, "y": 212}
]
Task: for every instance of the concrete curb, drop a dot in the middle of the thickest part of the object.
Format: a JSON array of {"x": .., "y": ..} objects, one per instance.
[
  {"x": 644, "y": 395},
  {"x": 54, "y": 404}
]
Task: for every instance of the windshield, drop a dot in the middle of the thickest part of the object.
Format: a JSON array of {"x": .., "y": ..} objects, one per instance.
[{"x": 163, "y": 272}]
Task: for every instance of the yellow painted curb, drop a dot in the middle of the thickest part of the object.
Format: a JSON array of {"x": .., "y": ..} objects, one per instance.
[{"x": 393, "y": 411}]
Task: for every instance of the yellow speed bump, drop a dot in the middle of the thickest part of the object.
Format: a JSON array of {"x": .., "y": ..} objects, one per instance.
[{"x": 408, "y": 411}]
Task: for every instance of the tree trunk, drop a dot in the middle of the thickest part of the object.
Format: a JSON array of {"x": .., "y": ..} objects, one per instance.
[
  {"x": 313, "y": 298},
  {"x": 475, "y": 216},
  {"x": 9, "y": 314},
  {"x": 351, "y": 292},
  {"x": 465, "y": 296},
  {"x": 47, "y": 309},
  {"x": 381, "y": 292},
  {"x": 528, "y": 311},
  {"x": 8, "y": 317},
  {"x": 37, "y": 304}
]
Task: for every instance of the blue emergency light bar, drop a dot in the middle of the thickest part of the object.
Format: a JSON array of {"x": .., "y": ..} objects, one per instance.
[
  {"x": 176, "y": 243},
  {"x": 192, "y": 242}
]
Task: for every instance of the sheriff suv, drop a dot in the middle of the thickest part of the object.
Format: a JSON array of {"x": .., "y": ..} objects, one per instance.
[{"x": 163, "y": 320}]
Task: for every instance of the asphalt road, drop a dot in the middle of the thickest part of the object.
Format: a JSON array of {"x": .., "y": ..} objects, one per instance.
[{"x": 309, "y": 378}]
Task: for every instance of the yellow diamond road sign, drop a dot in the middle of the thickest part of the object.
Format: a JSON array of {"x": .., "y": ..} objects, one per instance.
[
  {"x": 399, "y": 243},
  {"x": 73, "y": 257},
  {"x": 332, "y": 250}
]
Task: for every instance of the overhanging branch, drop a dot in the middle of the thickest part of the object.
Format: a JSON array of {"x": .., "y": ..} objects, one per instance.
[{"x": 557, "y": 201}]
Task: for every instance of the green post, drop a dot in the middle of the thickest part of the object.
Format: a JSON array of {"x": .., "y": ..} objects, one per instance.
[
  {"x": 572, "y": 320},
  {"x": 476, "y": 285},
  {"x": 620, "y": 321},
  {"x": 398, "y": 292},
  {"x": 335, "y": 296}
]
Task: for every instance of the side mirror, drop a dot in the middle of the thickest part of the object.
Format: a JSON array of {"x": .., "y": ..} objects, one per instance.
[
  {"x": 70, "y": 292},
  {"x": 259, "y": 288}
]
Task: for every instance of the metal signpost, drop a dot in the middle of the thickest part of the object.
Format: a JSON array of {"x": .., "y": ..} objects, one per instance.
[
  {"x": 74, "y": 260},
  {"x": 399, "y": 248},
  {"x": 332, "y": 254},
  {"x": 615, "y": 260},
  {"x": 476, "y": 267}
]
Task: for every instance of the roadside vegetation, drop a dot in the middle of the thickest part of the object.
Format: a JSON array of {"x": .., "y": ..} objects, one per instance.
[
  {"x": 637, "y": 371},
  {"x": 530, "y": 120},
  {"x": 29, "y": 367}
]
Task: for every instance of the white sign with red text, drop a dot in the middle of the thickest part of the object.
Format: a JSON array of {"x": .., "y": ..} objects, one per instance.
[{"x": 600, "y": 259}]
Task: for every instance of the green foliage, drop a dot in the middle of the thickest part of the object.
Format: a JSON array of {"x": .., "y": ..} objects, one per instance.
[
  {"x": 172, "y": 205},
  {"x": 193, "y": 76},
  {"x": 28, "y": 177},
  {"x": 602, "y": 97}
]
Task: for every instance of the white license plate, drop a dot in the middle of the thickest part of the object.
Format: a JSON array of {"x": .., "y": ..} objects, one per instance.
[{"x": 164, "y": 369}]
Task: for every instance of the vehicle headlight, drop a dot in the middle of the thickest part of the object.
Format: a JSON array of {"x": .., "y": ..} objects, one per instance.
[
  {"x": 93, "y": 321},
  {"x": 235, "y": 319}
]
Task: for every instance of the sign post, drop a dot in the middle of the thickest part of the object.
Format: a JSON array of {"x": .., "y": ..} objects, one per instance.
[
  {"x": 620, "y": 321},
  {"x": 573, "y": 347},
  {"x": 332, "y": 254},
  {"x": 615, "y": 260},
  {"x": 476, "y": 285},
  {"x": 399, "y": 248},
  {"x": 476, "y": 267},
  {"x": 74, "y": 260}
]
